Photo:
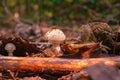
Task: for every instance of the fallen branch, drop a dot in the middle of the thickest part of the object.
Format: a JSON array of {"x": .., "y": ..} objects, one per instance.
[
  {"x": 51, "y": 65},
  {"x": 4, "y": 5}
]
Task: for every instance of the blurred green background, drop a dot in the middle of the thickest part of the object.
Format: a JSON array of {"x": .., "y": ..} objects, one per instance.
[{"x": 63, "y": 11}]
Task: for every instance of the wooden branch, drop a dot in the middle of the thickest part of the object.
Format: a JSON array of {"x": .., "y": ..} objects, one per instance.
[
  {"x": 51, "y": 65},
  {"x": 4, "y": 4}
]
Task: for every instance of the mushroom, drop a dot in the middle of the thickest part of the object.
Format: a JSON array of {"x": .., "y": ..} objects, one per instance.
[
  {"x": 56, "y": 37},
  {"x": 10, "y": 48}
]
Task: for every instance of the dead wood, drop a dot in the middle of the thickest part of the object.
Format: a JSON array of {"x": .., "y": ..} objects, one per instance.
[
  {"x": 81, "y": 48},
  {"x": 86, "y": 50},
  {"x": 51, "y": 65},
  {"x": 98, "y": 71},
  {"x": 103, "y": 72}
]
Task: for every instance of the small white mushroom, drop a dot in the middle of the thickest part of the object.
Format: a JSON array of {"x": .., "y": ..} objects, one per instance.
[
  {"x": 10, "y": 48},
  {"x": 56, "y": 37}
]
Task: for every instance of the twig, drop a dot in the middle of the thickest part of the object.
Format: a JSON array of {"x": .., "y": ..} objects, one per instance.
[
  {"x": 115, "y": 42},
  {"x": 11, "y": 74},
  {"x": 7, "y": 11},
  {"x": 40, "y": 43}
]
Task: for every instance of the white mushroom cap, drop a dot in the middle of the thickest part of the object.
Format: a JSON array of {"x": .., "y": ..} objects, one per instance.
[
  {"x": 55, "y": 35},
  {"x": 10, "y": 47}
]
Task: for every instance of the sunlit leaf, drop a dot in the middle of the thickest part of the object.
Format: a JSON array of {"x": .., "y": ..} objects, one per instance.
[
  {"x": 48, "y": 13},
  {"x": 69, "y": 1}
]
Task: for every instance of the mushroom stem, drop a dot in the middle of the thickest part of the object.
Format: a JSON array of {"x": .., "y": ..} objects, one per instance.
[
  {"x": 56, "y": 48},
  {"x": 10, "y": 54}
]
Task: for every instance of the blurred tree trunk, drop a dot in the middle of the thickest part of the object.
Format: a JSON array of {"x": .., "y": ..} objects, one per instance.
[
  {"x": 28, "y": 7},
  {"x": 40, "y": 8},
  {"x": 19, "y": 5}
]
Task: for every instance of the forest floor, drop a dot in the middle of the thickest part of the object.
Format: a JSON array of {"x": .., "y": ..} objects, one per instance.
[{"x": 92, "y": 40}]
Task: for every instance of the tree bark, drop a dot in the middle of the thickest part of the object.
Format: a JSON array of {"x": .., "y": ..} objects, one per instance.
[{"x": 51, "y": 65}]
